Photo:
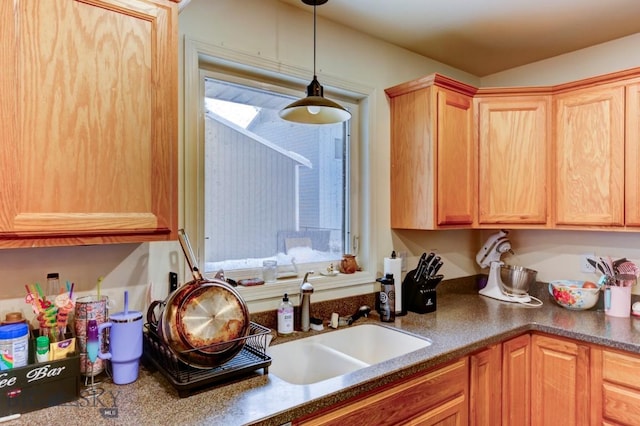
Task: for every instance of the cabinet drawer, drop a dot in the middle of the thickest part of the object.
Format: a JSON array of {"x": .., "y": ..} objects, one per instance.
[
  {"x": 621, "y": 404},
  {"x": 410, "y": 401},
  {"x": 621, "y": 368}
]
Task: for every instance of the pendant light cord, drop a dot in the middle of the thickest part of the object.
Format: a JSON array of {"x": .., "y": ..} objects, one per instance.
[{"x": 314, "y": 40}]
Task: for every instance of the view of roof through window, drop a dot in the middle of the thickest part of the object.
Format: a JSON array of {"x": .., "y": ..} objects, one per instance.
[
  {"x": 273, "y": 189},
  {"x": 240, "y": 114}
]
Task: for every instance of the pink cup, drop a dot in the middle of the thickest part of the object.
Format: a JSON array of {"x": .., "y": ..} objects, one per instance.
[{"x": 617, "y": 301}]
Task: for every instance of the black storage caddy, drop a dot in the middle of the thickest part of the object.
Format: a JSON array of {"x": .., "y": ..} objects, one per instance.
[{"x": 40, "y": 384}]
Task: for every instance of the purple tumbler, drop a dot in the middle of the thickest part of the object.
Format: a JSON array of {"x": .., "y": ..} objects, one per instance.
[{"x": 125, "y": 345}]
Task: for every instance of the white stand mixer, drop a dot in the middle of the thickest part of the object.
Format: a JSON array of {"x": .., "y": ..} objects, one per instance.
[{"x": 489, "y": 256}]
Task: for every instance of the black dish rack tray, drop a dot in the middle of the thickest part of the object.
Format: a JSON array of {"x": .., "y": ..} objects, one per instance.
[{"x": 188, "y": 380}]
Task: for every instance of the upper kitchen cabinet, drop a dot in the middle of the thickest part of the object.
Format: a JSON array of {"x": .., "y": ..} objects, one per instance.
[
  {"x": 514, "y": 144},
  {"x": 89, "y": 122},
  {"x": 433, "y": 172},
  {"x": 589, "y": 157},
  {"x": 632, "y": 155}
]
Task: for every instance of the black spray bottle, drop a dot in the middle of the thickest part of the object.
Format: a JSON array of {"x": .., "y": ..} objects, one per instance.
[{"x": 387, "y": 298}]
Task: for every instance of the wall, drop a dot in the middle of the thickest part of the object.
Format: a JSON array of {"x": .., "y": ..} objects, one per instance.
[{"x": 604, "y": 58}]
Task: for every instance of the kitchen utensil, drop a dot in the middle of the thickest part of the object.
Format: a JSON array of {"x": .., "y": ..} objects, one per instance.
[
  {"x": 204, "y": 322},
  {"x": 628, "y": 267},
  {"x": 571, "y": 295}
]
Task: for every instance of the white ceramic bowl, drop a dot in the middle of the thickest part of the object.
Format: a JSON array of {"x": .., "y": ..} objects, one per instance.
[{"x": 571, "y": 295}]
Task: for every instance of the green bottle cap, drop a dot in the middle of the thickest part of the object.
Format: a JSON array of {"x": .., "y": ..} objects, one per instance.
[{"x": 42, "y": 344}]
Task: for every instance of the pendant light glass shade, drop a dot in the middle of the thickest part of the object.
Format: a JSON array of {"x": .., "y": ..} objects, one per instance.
[{"x": 315, "y": 108}]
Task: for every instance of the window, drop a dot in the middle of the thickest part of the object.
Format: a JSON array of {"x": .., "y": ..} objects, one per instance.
[
  {"x": 272, "y": 189},
  {"x": 343, "y": 217}
]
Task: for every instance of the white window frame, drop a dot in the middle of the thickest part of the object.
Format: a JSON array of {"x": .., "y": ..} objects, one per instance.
[{"x": 261, "y": 298}]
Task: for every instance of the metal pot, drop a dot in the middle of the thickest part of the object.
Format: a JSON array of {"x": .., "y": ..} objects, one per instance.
[{"x": 204, "y": 322}]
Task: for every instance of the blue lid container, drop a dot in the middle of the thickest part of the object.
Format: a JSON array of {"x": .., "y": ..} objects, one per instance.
[{"x": 12, "y": 331}]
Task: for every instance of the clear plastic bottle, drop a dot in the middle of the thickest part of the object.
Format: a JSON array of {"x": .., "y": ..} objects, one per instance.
[{"x": 285, "y": 316}]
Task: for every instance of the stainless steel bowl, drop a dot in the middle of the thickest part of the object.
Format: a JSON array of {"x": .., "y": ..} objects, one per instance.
[{"x": 517, "y": 279}]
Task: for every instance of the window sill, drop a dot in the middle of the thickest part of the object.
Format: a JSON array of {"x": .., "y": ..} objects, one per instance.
[{"x": 268, "y": 296}]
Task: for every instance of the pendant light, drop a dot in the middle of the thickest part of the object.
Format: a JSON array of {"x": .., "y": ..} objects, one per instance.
[{"x": 315, "y": 108}]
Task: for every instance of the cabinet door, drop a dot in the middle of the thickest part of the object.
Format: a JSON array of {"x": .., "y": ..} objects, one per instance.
[
  {"x": 91, "y": 151},
  {"x": 589, "y": 156},
  {"x": 632, "y": 156},
  {"x": 455, "y": 153},
  {"x": 412, "y": 160},
  {"x": 514, "y": 141},
  {"x": 436, "y": 397},
  {"x": 516, "y": 381},
  {"x": 485, "y": 387},
  {"x": 560, "y": 391}
]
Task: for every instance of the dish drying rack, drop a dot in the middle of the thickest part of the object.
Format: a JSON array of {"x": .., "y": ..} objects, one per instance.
[{"x": 188, "y": 380}]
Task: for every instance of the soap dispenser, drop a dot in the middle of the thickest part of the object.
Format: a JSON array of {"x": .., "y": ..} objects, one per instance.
[{"x": 285, "y": 316}]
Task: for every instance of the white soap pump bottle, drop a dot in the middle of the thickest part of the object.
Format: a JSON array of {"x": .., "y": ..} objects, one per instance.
[{"x": 285, "y": 316}]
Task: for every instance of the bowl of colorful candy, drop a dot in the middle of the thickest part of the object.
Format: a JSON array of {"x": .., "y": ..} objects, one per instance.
[{"x": 575, "y": 295}]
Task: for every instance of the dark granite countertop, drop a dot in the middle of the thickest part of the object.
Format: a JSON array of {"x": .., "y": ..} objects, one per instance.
[{"x": 463, "y": 323}]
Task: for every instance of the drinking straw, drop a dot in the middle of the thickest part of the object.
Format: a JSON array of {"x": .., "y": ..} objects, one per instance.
[
  {"x": 99, "y": 285},
  {"x": 40, "y": 291},
  {"x": 126, "y": 303},
  {"x": 71, "y": 291}
]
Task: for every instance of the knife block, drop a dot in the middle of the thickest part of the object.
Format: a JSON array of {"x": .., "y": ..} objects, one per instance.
[{"x": 419, "y": 295}]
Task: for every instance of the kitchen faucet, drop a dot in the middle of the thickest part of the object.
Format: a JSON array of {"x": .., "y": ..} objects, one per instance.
[{"x": 305, "y": 301}]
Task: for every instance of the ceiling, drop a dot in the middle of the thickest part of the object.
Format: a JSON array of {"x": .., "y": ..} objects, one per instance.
[{"x": 483, "y": 37}]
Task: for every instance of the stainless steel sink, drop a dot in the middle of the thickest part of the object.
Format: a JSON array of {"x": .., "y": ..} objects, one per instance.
[{"x": 332, "y": 354}]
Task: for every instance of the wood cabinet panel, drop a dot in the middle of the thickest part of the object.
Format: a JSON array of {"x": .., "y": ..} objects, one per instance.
[
  {"x": 632, "y": 156},
  {"x": 92, "y": 152},
  {"x": 560, "y": 391},
  {"x": 589, "y": 156},
  {"x": 456, "y": 175},
  {"x": 433, "y": 172},
  {"x": 615, "y": 398},
  {"x": 516, "y": 381},
  {"x": 514, "y": 146},
  {"x": 485, "y": 386},
  {"x": 438, "y": 397}
]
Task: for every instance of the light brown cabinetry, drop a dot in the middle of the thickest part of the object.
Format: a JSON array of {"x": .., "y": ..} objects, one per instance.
[
  {"x": 615, "y": 396},
  {"x": 560, "y": 388},
  {"x": 513, "y": 157},
  {"x": 433, "y": 172},
  {"x": 500, "y": 384},
  {"x": 439, "y": 397},
  {"x": 590, "y": 156},
  {"x": 485, "y": 386},
  {"x": 632, "y": 155},
  {"x": 88, "y": 120},
  {"x": 516, "y": 381}
]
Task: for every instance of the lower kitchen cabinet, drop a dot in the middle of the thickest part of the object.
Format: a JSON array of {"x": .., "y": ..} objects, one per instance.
[
  {"x": 438, "y": 397},
  {"x": 615, "y": 379},
  {"x": 560, "y": 385},
  {"x": 500, "y": 384},
  {"x": 516, "y": 381}
]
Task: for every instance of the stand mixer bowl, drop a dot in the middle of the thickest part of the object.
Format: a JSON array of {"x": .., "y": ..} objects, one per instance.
[{"x": 516, "y": 280}]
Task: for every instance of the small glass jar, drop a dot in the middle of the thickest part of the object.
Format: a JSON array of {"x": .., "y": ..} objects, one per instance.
[{"x": 269, "y": 271}]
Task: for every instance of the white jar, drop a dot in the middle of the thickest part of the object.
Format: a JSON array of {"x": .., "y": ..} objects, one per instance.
[{"x": 14, "y": 345}]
